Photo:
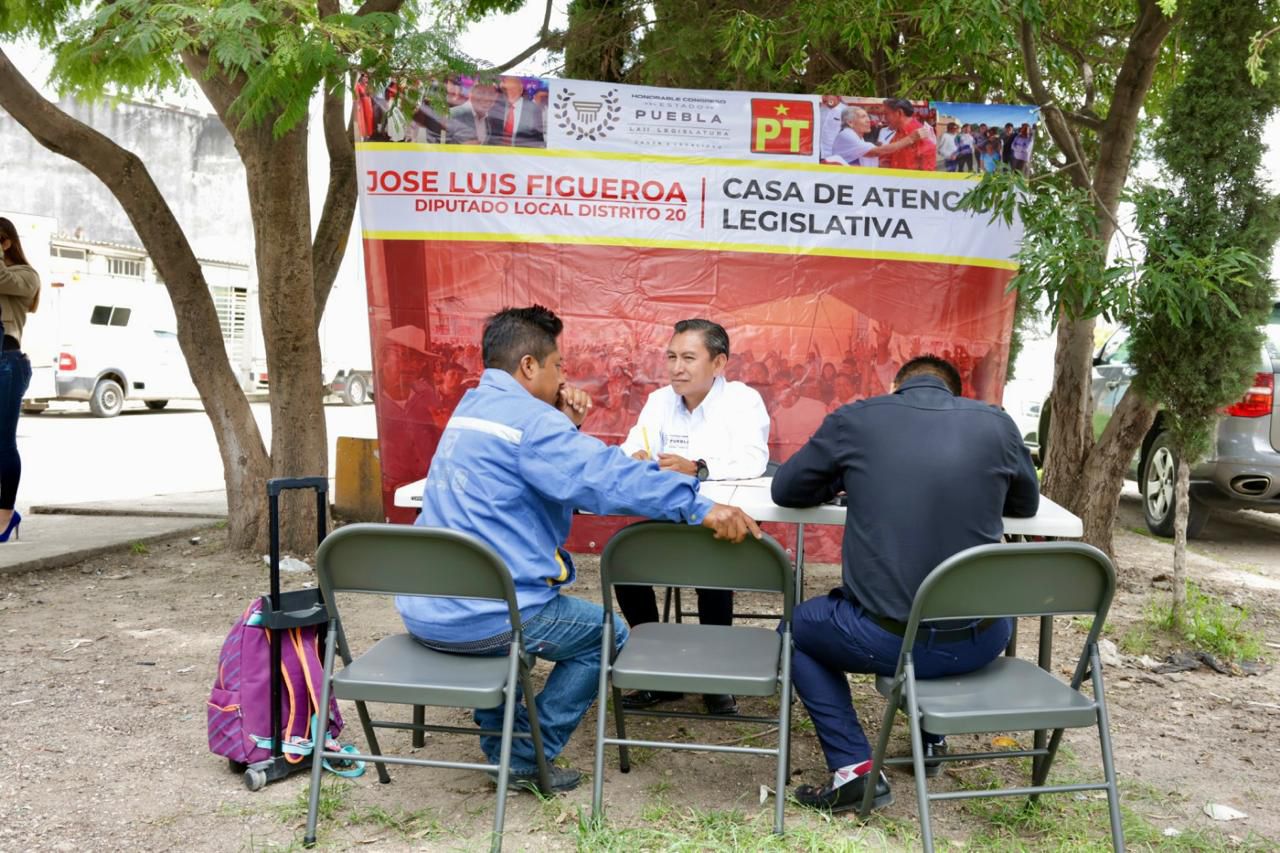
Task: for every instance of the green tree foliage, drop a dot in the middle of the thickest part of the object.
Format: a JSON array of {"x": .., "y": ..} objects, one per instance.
[
  {"x": 1210, "y": 234},
  {"x": 1210, "y": 146}
]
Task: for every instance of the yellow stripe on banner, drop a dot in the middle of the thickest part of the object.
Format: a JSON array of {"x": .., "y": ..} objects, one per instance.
[
  {"x": 642, "y": 157},
  {"x": 694, "y": 245}
]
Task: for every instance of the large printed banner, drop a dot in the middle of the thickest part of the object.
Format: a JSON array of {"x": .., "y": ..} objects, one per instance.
[{"x": 626, "y": 209}]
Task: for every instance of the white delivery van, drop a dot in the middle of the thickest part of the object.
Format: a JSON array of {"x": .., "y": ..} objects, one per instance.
[{"x": 109, "y": 343}]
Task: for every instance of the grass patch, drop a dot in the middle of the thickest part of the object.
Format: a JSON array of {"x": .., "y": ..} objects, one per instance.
[
  {"x": 336, "y": 810},
  {"x": 140, "y": 548},
  {"x": 1210, "y": 624},
  {"x": 333, "y": 797},
  {"x": 1138, "y": 640},
  {"x": 422, "y": 824},
  {"x": 1071, "y": 823},
  {"x": 694, "y": 831},
  {"x": 1068, "y": 823}
]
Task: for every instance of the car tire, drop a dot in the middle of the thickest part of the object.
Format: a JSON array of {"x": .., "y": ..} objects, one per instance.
[
  {"x": 1158, "y": 486},
  {"x": 356, "y": 392},
  {"x": 157, "y": 405},
  {"x": 107, "y": 400}
]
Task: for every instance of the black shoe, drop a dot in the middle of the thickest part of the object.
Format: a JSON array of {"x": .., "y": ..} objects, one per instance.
[
  {"x": 562, "y": 779},
  {"x": 721, "y": 704},
  {"x": 648, "y": 698},
  {"x": 845, "y": 798}
]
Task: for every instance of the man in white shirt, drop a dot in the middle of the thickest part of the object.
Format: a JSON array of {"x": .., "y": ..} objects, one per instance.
[
  {"x": 830, "y": 123},
  {"x": 947, "y": 148},
  {"x": 705, "y": 427}
]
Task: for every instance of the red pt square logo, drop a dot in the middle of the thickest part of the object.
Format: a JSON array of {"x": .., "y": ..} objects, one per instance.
[{"x": 781, "y": 126}]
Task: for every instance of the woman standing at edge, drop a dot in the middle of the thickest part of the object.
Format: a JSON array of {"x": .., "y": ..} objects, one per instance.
[{"x": 19, "y": 296}]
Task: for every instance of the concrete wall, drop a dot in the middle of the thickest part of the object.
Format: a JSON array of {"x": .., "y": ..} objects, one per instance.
[{"x": 190, "y": 157}]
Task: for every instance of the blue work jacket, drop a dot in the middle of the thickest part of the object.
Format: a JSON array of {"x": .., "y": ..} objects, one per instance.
[{"x": 511, "y": 469}]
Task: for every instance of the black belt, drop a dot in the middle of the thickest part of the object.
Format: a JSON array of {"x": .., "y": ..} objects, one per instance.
[{"x": 941, "y": 635}]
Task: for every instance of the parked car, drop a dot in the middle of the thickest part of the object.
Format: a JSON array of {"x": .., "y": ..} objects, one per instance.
[{"x": 1242, "y": 470}]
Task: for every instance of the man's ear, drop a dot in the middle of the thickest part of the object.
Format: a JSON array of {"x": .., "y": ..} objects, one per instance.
[
  {"x": 528, "y": 366},
  {"x": 719, "y": 362}
]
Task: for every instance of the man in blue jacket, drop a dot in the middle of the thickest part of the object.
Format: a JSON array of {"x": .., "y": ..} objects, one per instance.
[
  {"x": 928, "y": 474},
  {"x": 510, "y": 468}
]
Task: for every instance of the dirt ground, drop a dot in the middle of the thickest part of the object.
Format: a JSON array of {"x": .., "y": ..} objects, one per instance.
[{"x": 107, "y": 667}]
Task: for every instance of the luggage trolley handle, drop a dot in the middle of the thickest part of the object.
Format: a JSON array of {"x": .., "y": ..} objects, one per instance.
[{"x": 274, "y": 488}]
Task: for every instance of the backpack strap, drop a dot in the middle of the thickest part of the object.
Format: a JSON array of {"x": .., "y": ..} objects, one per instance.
[{"x": 285, "y": 648}]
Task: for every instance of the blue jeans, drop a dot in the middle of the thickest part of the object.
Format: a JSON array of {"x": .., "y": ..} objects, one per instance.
[
  {"x": 15, "y": 377},
  {"x": 567, "y": 630},
  {"x": 833, "y": 636}
]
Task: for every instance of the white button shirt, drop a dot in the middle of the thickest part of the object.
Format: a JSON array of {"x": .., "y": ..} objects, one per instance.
[{"x": 729, "y": 430}]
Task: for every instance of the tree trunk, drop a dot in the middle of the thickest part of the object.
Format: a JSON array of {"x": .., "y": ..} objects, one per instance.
[
  {"x": 244, "y": 459},
  {"x": 1181, "y": 512},
  {"x": 1083, "y": 475},
  {"x": 1103, "y": 474},
  {"x": 1070, "y": 436},
  {"x": 280, "y": 207}
]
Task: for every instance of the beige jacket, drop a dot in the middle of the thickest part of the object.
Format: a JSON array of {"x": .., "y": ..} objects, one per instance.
[{"x": 19, "y": 285}]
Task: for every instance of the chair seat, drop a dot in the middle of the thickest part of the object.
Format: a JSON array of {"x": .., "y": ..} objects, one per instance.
[
  {"x": 699, "y": 658},
  {"x": 400, "y": 669},
  {"x": 1007, "y": 694}
]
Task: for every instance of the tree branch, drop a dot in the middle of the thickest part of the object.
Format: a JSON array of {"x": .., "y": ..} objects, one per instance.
[
  {"x": 371, "y": 6},
  {"x": 1132, "y": 84},
  {"x": 544, "y": 37},
  {"x": 330, "y": 241},
  {"x": 1087, "y": 118},
  {"x": 1054, "y": 118}
]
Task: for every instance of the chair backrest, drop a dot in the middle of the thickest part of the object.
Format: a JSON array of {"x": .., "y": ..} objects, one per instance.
[
  {"x": 666, "y": 554},
  {"x": 1018, "y": 579},
  {"x": 398, "y": 559}
]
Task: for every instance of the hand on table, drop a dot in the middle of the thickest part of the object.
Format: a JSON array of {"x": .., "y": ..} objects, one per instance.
[
  {"x": 575, "y": 403},
  {"x": 731, "y": 523},
  {"x": 672, "y": 462}
]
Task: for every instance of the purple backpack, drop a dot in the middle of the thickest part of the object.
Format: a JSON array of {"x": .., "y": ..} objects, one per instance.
[{"x": 240, "y": 702}]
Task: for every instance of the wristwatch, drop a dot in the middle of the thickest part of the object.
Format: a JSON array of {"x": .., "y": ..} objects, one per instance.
[{"x": 702, "y": 468}]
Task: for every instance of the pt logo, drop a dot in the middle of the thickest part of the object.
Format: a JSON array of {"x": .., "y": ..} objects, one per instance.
[{"x": 781, "y": 126}]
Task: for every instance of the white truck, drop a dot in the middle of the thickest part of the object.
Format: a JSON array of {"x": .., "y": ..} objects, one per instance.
[{"x": 107, "y": 343}]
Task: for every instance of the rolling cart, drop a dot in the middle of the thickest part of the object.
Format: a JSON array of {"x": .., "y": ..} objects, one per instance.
[{"x": 281, "y": 611}]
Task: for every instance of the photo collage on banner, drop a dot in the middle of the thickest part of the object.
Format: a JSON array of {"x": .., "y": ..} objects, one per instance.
[{"x": 821, "y": 231}]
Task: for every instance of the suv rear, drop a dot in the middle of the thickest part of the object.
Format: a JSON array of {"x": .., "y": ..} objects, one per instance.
[{"x": 1243, "y": 469}]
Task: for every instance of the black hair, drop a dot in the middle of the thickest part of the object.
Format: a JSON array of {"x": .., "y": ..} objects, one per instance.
[
  {"x": 902, "y": 105},
  {"x": 931, "y": 365},
  {"x": 14, "y": 254},
  {"x": 513, "y": 333},
  {"x": 714, "y": 336}
]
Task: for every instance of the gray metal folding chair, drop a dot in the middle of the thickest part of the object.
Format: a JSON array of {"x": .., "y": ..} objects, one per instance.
[
  {"x": 1008, "y": 694},
  {"x": 394, "y": 559},
  {"x": 683, "y": 657}
]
